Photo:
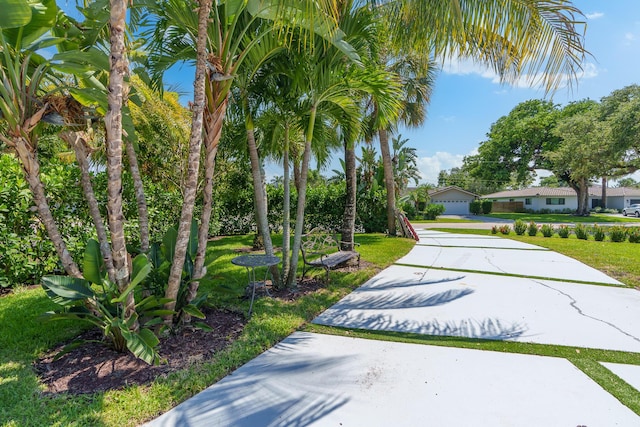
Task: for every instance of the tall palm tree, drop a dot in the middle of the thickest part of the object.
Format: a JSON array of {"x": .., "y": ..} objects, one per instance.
[{"x": 232, "y": 34}]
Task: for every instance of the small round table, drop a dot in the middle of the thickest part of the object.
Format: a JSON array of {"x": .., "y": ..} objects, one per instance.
[{"x": 251, "y": 262}]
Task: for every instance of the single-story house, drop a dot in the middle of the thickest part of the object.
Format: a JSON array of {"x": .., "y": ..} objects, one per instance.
[
  {"x": 454, "y": 199},
  {"x": 565, "y": 198}
]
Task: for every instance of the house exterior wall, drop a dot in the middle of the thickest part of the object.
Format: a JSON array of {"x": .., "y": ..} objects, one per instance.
[{"x": 538, "y": 203}]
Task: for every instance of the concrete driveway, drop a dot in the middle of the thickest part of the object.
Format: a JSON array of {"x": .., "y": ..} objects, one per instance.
[{"x": 320, "y": 380}]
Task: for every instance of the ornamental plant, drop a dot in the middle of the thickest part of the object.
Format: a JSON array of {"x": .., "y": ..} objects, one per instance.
[
  {"x": 547, "y": 230},
  {"x": 634, "y": 235},
  {"x": 581, "y": 231},
  {"x": 618, "y": 234},
  {"x": 598, "y": 232},
  {"x": 519, "y": 227},
  {"x": 504, "y": 229},
  {"x": 96, "y": 300},
  {"x": 532, "y": 229},
  {"x": 564, "y": 231}
]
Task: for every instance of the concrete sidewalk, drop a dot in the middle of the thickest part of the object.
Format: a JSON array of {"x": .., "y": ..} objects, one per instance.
[{"x": 320, "y": 380}]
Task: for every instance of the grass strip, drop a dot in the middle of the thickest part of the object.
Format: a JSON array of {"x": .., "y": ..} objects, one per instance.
[
  {"x": 520, "y": 276},
  {"x": 615, "y": 259}
]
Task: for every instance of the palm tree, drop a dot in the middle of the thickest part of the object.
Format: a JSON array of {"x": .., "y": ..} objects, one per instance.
[
  {"x": 534, "y": 39},
  {"x": 233, "y": 31},
  {"x": 22, "y": 106},
  {"x": 404, "y": 165}
]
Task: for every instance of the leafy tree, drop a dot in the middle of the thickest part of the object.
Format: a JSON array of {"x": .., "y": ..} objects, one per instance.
[
  {"x": 628, "y": 182},
  {"x": 585, "y": 149},
  {"x": 552, "y": 181},
  {"x": 516, "y": 145}
]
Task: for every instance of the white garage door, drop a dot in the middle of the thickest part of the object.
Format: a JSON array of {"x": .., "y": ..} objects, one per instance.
[{"x": 454, "y": 207}]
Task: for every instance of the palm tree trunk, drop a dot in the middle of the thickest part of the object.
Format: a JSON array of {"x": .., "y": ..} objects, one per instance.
[
  {"x": 143, "y": 212},
  {"x": 195, "y": 144},
  {"x": 213, "y": 121},
  {"x": 31, "y": 169},
  {"x": 286, "y": 206},
  {"x": 603, "y": 204},
  {"x": 113, "y": 124},
  {"x": 260, "y": 196},
  {"x": 77, "y": 142},
  {"x": 388, "y": 181},
  {"x": 302, "y": 196},
  {"x": 349, "y": 217}
]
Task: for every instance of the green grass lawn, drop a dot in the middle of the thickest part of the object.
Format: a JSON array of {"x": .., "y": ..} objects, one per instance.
[
  {"x": 618, "y": 260},
  {"x": 443, "y": 220},
  {"x": 563, "y": 218},
  {"x": 24, "y": 337}
]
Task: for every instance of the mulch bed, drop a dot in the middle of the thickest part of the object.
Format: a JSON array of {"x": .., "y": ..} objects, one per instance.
[{"x": 95, "y": 367}]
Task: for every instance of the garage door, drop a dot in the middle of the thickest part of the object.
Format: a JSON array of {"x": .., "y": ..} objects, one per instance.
[{"x": 454, "y": 207}]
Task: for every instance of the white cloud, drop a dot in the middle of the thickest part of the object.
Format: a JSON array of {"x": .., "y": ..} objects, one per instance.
[
  {"x": 430, "y": 166},
  {"x": 465, "y": 67},
  {"x": 629, "y": 37},
  {"x": 594, "y": 15}
]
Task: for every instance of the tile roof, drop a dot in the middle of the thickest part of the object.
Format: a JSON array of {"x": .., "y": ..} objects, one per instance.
[{"x": 594, "y": 190}]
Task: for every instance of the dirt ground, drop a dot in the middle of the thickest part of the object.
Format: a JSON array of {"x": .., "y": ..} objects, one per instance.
[{"x": 94, "y": 366}]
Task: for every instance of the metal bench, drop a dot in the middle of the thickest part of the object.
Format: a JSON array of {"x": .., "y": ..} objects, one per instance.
[{"x": 321, "y": 249}]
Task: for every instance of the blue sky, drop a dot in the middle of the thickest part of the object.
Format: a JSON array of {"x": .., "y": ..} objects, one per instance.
[{"x": 467, "y": 99}]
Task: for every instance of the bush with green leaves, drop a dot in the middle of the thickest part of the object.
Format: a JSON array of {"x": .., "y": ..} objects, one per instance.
[
  {"x": 26, "y": 253},
  {"x": 98, "y": 301},
  {"x": 617, "y": 233},
  {"x": 532, "y": 229},
  {"x": 599, "y": 233},
  {"x": 487, "y": 206},
  {"x": 581, "y": 231},
  {"x": 494, "y": 229},
  {"x": 433, "y": 211},
  {"x": 564, "y": 231},
  {"x": 504, "y": 229},
  {"x": 519, "y": 226},
  {"x": 634, "y": 235},
  {"x": 475, "y": 207},
  {"x": 371, "y": 211},
  {"x": 325, "y": 206},
  {"x": 547, "y": 230}
]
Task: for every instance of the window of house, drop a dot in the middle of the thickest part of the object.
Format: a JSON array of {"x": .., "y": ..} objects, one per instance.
[
  {"x": 555, "y": 201},
  {"x": 512, "y": 200},
  {"x": 527, "y": 201}
]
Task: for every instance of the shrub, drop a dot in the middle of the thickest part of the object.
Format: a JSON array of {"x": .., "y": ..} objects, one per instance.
[
  {"x": 504, "y": 229},
  {"x": 372, "y": 211},
  {"x": 409, "y": 210},
  {"x": 532, "y": 229},
  {"x": 598, "y": 232},
  {"x": 475, "y": 207},
  {"x": 433, "y": 211},
  {"x": 547, "y": 230},
  {"x": 494, "y": 229},
  {"x": 487, "y": 206},
  {"x": 581, "y": 231},
  {"x": 564, "y": 231},
  {"x": 519, "y": 227},
  {"x": 634, "y": 235},
  {"x": 618, "y": 233}
]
